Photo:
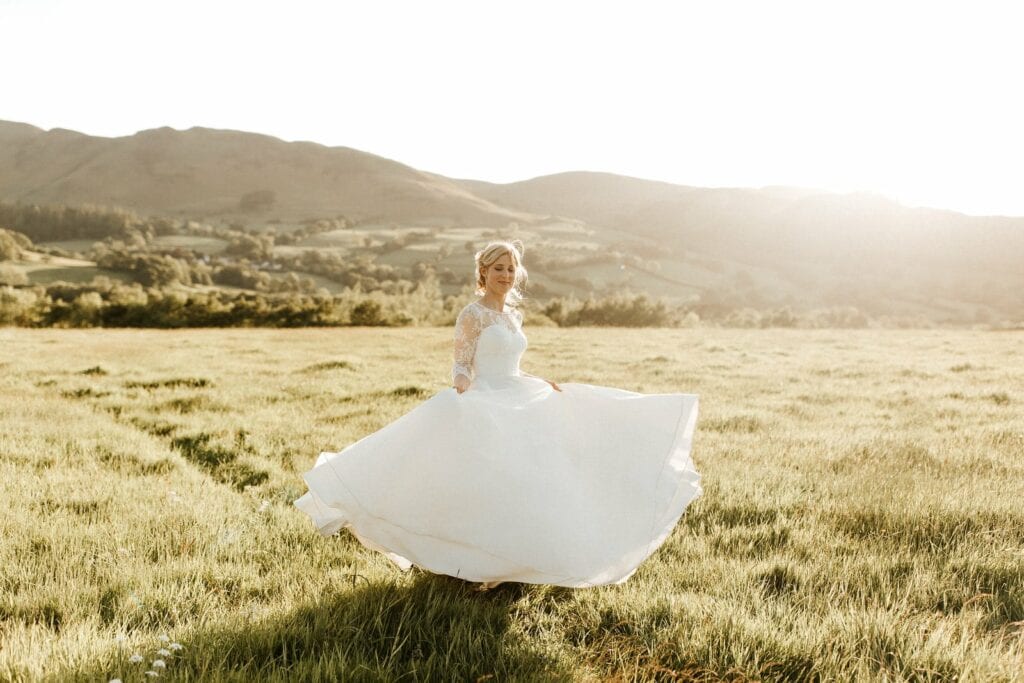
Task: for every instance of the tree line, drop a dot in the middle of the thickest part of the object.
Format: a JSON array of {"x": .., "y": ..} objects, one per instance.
[
  {"x": 105, "y": 303},
  {"x": 280, "y": 289}
]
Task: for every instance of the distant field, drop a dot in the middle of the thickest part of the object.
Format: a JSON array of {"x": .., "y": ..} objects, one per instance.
[
  {"x": 44, "y": 269},
  {"x": 72, "y": 245},
  {"x": 335, "y": 238},
  {"x": 320, "y": 281},
  {"x": 76, "y": 274},
  {"x": 862, "y": 515},
  {"x": 407, "y": 257},
  {"x": 204, "y": 245}
]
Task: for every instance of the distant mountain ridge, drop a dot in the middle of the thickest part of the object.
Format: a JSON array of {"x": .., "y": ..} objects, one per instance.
[
  {"x": 203, "y": 171},
  {"x": 772, "y": 224},
  {"x": 772, "y": 244}
]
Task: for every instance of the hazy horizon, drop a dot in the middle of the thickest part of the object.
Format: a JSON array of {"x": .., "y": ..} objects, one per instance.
[
  {"x": 564, "y": 171},
  {"x": 910, "y": 101}
]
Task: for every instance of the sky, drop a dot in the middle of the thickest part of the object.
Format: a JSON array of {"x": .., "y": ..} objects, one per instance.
[{"x": 919, "y": 101}]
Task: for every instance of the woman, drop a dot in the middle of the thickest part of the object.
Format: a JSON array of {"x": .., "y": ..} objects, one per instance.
[{"x": 506, "y": 476}]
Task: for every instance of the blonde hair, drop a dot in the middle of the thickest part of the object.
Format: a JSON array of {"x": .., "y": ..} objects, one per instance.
[{"x": 491, "y": 253}]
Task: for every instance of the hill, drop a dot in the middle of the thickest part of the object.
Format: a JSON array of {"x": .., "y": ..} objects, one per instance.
[
  {"x": 586, "y": 233},
  {"x": 207, "y": 173},
  {"x": 773, "y": 224}
]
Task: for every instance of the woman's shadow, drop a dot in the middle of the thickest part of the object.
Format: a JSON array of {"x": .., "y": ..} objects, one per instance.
[{"x": 424, "y": 627}]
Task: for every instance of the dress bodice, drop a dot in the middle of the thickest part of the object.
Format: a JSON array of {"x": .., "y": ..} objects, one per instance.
[{"x": 488, "y": 343}]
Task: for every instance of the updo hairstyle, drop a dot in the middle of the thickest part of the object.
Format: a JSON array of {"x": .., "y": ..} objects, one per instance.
[{"x": 491, "y": 253}]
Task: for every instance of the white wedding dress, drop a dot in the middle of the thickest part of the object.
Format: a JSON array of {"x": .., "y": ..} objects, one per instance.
[{"x": 513, "y": 480}]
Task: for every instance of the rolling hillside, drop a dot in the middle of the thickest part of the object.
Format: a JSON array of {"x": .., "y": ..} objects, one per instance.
[
  {"x": 585, "y": 232},
  {"x": 206, "y": 173},
  {"x": 795, "y": 225}
]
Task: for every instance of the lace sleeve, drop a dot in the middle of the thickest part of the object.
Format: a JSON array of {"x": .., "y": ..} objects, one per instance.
[{"x": 467, "y": 331}]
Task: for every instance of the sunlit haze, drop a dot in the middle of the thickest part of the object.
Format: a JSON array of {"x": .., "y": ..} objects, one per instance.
[{"x": 915, "y": 100}]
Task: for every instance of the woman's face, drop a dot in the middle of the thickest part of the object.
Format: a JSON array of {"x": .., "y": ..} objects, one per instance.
[{"x": 500, "y": 276}]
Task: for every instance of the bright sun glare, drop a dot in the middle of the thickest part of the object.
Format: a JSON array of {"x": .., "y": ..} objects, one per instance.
[{"x": 914, "y": 100}]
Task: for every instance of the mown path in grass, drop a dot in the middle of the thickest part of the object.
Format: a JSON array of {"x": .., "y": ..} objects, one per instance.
[{"x": 862, "y": 515}]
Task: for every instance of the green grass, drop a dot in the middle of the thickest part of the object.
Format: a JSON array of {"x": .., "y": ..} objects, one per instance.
[{"x": 862, "y": 515}]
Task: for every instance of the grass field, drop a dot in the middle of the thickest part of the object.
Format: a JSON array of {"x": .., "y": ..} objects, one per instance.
[
  {"x": 45, "y": 269},
  {"x": 863, "y": 514}
]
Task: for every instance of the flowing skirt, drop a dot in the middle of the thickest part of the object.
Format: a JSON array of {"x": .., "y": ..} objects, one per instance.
[{"x": 515, "y": 481}]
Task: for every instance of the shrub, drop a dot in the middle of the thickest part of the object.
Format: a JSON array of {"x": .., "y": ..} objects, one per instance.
[
  {"x": 368, "y": 313},
  {"x": 11, "y": 244},
  {"x": 17, "y": 306},
  {"x": 624, "y": 310},
  {"x": 12, "y": 276}
]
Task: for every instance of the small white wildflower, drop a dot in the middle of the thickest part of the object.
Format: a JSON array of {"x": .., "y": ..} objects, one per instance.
[
  {"x": 229, "y": 536},
  {"x": 122, "y": 551},
  {"x": 164, "y": 638},
  {"x": 115, "y": 680},
  {"x": 152, "y": 674},
  {"x": 176, "y": 646},
  {"x": 159, "y": 664},
  {"x": 119, "y": 638},
  {"x": 264, "y": 506},
  {"x": 135, "y": 659},
  {"x": 164, "y": 652}
]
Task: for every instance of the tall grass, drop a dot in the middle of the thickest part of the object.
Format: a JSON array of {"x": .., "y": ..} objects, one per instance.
[{"x": 862, "y": 517}]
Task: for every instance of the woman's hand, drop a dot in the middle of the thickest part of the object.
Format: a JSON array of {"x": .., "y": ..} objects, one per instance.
[
  {"x": 553, "y": 385},
  {"x": 461, "y": 383}
]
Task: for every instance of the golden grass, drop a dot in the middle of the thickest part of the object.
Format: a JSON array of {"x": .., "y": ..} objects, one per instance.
[{"x": 862, "y": 516}]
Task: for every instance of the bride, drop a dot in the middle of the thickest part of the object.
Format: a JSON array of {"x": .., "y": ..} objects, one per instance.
[{"x": 506, "y": 476}]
